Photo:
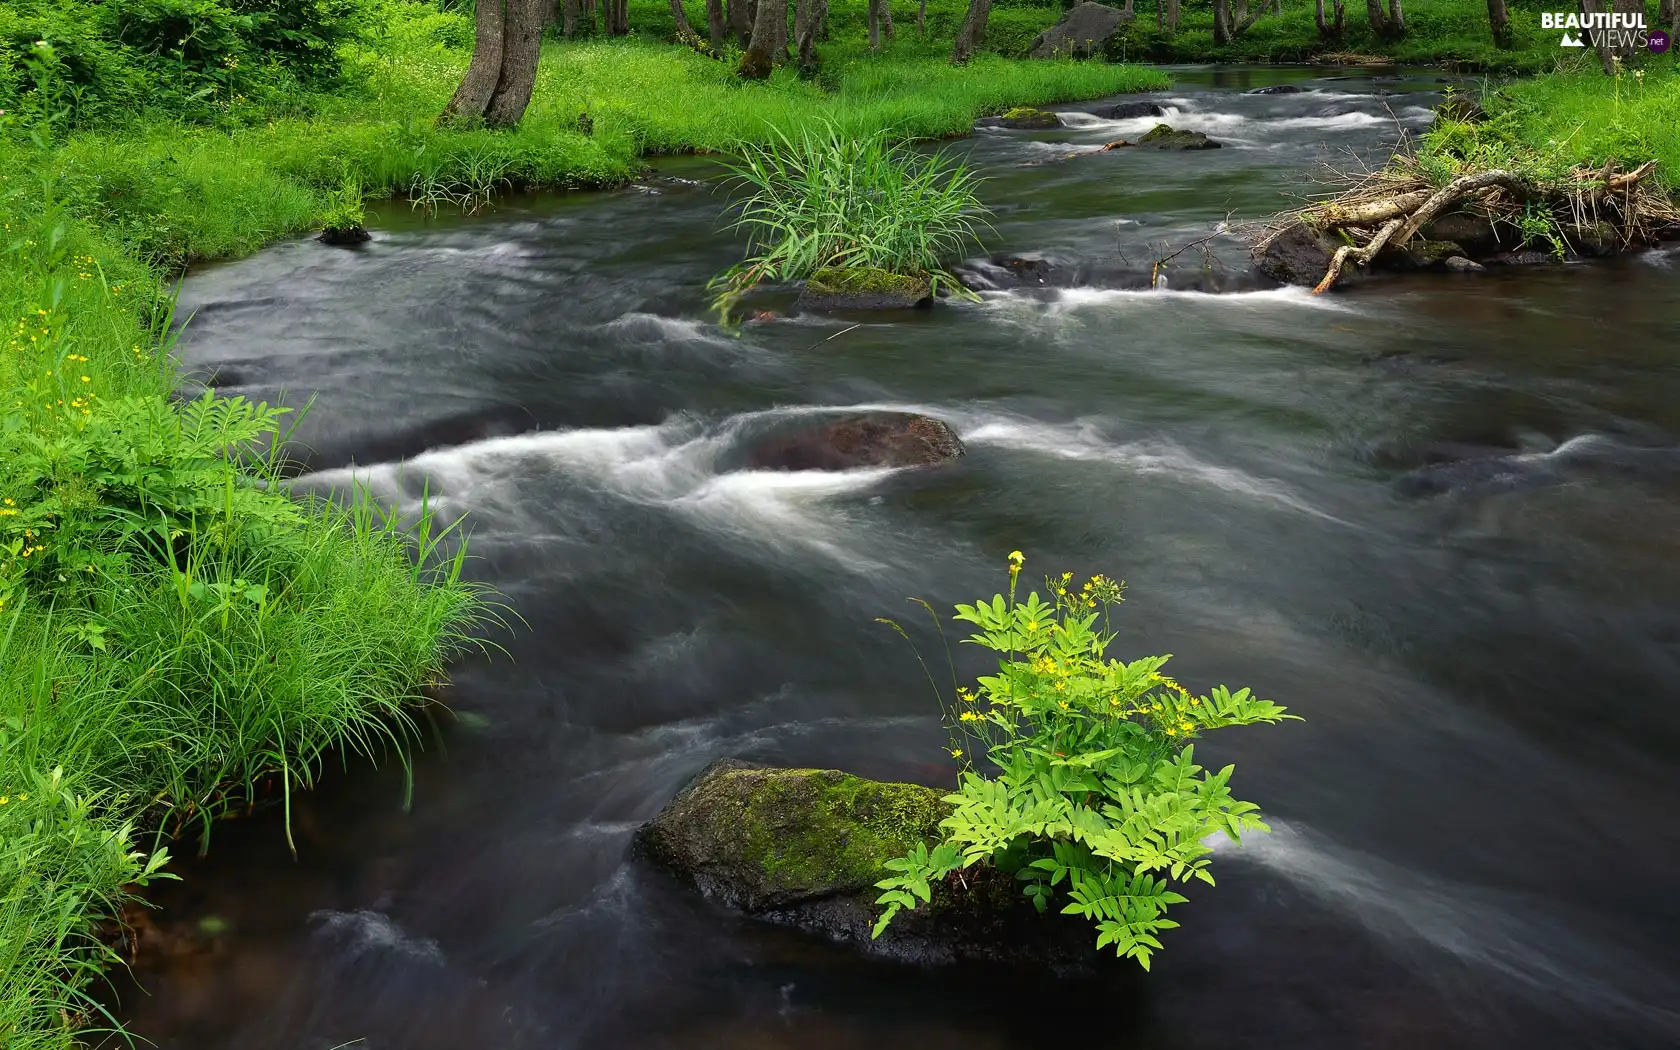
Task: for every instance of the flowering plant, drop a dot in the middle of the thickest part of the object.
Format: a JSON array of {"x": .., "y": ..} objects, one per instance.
[{"x": 1094, "y": 785}]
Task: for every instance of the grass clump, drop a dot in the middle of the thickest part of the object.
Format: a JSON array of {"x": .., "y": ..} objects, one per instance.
[{"x": 824, "y": 201}]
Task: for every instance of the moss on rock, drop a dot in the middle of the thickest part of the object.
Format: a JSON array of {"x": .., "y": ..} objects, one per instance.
[
  {"x": 853, "y": 280},
  {"x": 760, "y": 838}
]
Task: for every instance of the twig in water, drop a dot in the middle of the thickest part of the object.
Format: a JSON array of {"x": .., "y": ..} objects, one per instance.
[{"x": 836, "y": 335}]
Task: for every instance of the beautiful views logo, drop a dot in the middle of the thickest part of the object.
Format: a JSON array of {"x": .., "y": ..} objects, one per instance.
[{"x": 1617, "y": 31}]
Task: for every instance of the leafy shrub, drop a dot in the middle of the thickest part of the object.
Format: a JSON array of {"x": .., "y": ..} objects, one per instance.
[
  {"x": 828, "y": 199},
  {"x": 1095, "y": 790}
]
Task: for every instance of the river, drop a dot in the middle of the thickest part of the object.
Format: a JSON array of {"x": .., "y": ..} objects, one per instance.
[{"x": 1435, "y": 516}]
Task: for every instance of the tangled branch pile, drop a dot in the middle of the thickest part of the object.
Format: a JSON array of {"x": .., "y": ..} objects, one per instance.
[{"x": 1379, "y": 218}]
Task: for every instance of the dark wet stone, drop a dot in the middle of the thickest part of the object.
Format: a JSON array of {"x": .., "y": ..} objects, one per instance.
[
  {"x": 872, "y": 439},
  {"x": 1598, "y": 240},
  {"x": 1422, "y": 253},
  {"x": 1084, "y": 31},
  {"x": 804, "y": 847},
  {"x": 1007, "y": 271},
  {"x": 342, "y": 237},
  {"x": 1300, "y": 255},
  {"x": 862, "y": 288},
  {"x": 1129, "y": 111},
  {"x": 1476, "y": 234},
  {"x": 1459, "y": 264},
  {"x": 1520, "y": 259},
  {"x": 1275, "y": 89},
  {"x": 1163, "y": 136}
]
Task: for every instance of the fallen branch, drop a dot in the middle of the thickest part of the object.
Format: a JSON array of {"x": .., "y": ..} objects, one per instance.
[{"x": 1399, "y": 230}]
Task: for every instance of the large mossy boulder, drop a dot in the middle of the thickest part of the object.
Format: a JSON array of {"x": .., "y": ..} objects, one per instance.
[
  {"x": 805, "y": 847},
  {"x": 1022, "y": 118},
  {"x": 863, "y": 288},
  {"x": 1084, "y": 31}
]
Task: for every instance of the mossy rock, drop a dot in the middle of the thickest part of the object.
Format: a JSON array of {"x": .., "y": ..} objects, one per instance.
[
  {"x": 1026, "y": 118},
  {"x": 863, "y": 288},
  {"x": 1164, "y": 136},
  {"x": 805, "y": 847}
]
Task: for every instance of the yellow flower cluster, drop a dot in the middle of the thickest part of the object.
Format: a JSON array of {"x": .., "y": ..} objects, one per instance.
[{"x": 22, "y": 796}]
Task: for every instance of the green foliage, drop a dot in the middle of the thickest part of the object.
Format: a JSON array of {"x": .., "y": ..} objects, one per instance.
[
  {"x": 62, "y": 862},
  {"x": 1093, "y": 789},
  {"x": 822, "y": 199},
  {"x": 345, "y": 210}
]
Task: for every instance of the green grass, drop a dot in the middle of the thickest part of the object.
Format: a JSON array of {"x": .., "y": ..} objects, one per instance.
[{"x": 821, "y": 200}]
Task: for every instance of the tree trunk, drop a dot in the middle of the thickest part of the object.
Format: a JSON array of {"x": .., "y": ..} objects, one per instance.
[
  {"x": 1612, "y": 45},
  {"x": 972, "y": 33},
  {"x": 1397, "y": 20},
  {"x": 1379, "y": 18},
  {"x": 822, "y": 20},
  {"x": 590, "y": 11},
  {"x": 760, "y": 58},
  {"x": 779, "y": 48},
  {"x": 1172, "y": 15},
  {"x": 472, "y": 98},
  {"x": 715, "y": 24},
  {"x": 507, "y": 45},
  {"x": 1222, "y": 21},
  {"x": 804, "y": 36},
  {"x": 1670, "y": 17},
  {"x": 569, "y": 18},
  {"x": 886, "y": 19},
  {"x": 1499, "y": 21},
  {"x": 736, "y": 20},
  {"x": 872, "y": 13},
  {"x": 921, "y": 18},
  {"x": 1331, "y": 31},
  {"x": 685, "y": 31}
]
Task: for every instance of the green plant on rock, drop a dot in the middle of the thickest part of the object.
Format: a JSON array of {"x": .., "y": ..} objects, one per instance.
[
  {"x": 1093, "y": 790},
  {"x": 828, "y": 200}
]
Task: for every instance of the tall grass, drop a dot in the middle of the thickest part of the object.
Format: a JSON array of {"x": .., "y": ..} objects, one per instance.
[{"x": 822, "y": 198}]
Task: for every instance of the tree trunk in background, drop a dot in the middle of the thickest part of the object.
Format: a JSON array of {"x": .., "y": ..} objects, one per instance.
[
  {"x": 779, "y": 48},
  {"x": 1396, "y": 20},
  {"x": 804, "y": 37},
  {"x": 921, "y": 18},
  {"x": 872, "y": 12},
  {"x": 1499, "y": 21},
  {"x": 472, "y": 98},
  {"x": 739, "y": 24},
  {"x": 1172, "y": 16},
  {"x": 621, "y": 12},
  {"x": 1381, "y": 24},
  {"x": 590, "y": 9},
  {"x": 714, "y": 23},
  {"x": 819, "y": 10},
  {"x": 760, "y": 58},
  {"x": 685, "y": 31},
  {"x": 972, "y": 33},
  {"x": 1608, "y": 54},
  {"x": 1222, "y": 21},
  {"x": 1331, "y": 30},
  {"x": 886, "y": 19},
  {"x": 506, "y": 46},
  {"x": 569, "y": 18},
  {"x": 1672, "y": 7}
]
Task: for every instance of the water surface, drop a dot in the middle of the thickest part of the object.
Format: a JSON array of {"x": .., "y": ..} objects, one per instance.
[{"x": 1436, "y": 517}]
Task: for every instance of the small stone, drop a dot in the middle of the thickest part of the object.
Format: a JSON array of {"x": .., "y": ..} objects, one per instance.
[
  {"x": 1275, "y": 89},
  {"x": 1459, "y": 264}
]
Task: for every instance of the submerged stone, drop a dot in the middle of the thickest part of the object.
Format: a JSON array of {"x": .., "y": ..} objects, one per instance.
[
  {"x": 1129, "y": 111},
  {"x": 804, "y": 848},
  {"x": 863, "y": 288},
  {"x": 1084, "y": 31},
  {"x": 872, "y": 439},
  {"x": 1164, "y": 136}
]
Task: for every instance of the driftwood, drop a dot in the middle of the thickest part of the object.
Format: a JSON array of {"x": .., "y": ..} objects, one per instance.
[{"x": 1382, "y": 211}]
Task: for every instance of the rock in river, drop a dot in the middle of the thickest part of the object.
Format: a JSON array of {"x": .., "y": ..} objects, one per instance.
[
  {"x": 1082, "y": 32},
  {"x": 1022, "y": 118},
  {"x": 872, "y": 439},
  {"x": 1129, "y": 111},
  {"x": 863, "y": 288},
  {"x": 1163, "y": 136},
  {"x": 804, "y": 848}
]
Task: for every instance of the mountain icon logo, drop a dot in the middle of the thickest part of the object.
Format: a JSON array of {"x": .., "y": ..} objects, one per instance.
[{"x": 1571, "y": 41}]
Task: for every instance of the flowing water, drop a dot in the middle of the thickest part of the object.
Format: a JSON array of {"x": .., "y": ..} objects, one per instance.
[{"x": 1435, "y": 516}]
